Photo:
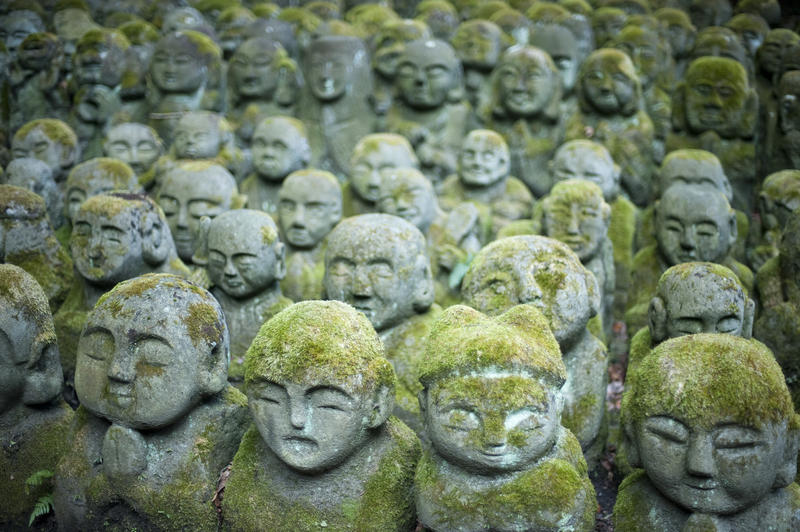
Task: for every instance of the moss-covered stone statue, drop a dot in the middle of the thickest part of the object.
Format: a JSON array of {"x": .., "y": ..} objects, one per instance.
[
  {"x": 324, "y": 451},
  {"x": 27, "y": 240},
  {"x": 693, "y": 223},
  {"x": 429, "y": 109},
  {"x": 137, "y": 145},
  {"x": 769, "y": 57},
  {"x": 17, "y": 24},
  {"x": 611, "y": 112},
  {"x": 680, "y": 34},
  {"x": 36, "y": 176},
  {"x": 115, "y": 237},
  {"x": 193, "y": 190},
  {"x": 524, "y": 107},
  {"x": 279, "y": 147},
  {"x": 546, "y": 273},
  {"x": 782, "y": 143},
  {"x": 158, "y": 420},
  {"x": 492, "y": 400},
  {"x": 715, "y": 109},
  {"x": 607, "y": 22},
  {"x": 478, "y": 44},
  {"x": 33, "y": 418},
  {"x": 751, "y": 29},
  {"x": 51, "y": 141},
  {"x": 712, "y": 427},
  {"x": 779, "y": 197},
  {"x": 310, "y": 205},
  {"x": 484, "y": 179},
  {"x": 245, "y": 261},
  {"x": 441, "y": 16},
  {"x": 378, "y": 263},
  {"x": 372, "y": 154},
  {"x": 563, "y": 46}
]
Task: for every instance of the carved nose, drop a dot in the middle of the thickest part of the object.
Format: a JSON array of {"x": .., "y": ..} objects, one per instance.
[
  {"x": 122, "y": 368},
  {"x": 298, "y": 415},
  {"x": 687, "y": 242},
  {"x": 699, "y": 457},
  {"x": 531, "y": 292}
]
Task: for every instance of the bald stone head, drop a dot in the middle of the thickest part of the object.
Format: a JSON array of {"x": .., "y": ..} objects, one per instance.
[
  {"x": 309, "y": 206},
  {"x": 97, "y": 176}
]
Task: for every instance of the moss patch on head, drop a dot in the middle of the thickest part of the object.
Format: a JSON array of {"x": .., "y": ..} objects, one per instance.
[
  {"x": 705, "y": 379},
  {"x": 20, "y": 291},
  {"x": 204, "y": 324},
  {"x": 319, "y": 341},
  {"x": 55, "y": 130},
  {"x": 705, "y": 274},
  {"x": 17, "y": 203}
]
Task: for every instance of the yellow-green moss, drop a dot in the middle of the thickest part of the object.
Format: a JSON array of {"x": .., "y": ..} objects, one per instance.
[
  {"x": 54, "y": 129},
  {"x": 98, "y": 36},
  {"x": 581, "y": 414},
  {"x": 204, "y": 324},
  {"x": 19, "y": 203}
]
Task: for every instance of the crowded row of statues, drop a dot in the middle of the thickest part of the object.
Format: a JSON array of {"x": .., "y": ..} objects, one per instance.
[{"x": 363, "y": 266}]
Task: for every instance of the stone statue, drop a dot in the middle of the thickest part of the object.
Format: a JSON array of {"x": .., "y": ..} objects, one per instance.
[
  {"x": 97, "y": 176},
  {"x": 769, "y": 57},
  {"x": 324, "y": 451},
  {"x": 681, "y": 35},
  {"x": 137, "y": 145},
  {"x": 16, "y": 25},
  {"x": 751, "y": 29},
  {"x": 429, "y": 109},
  {"x": 478, "y": 44},
  {"x": 715, "y": 109},
  {"x": 492, "y": 401},
  {"x": 607, "y": 22},
  {"x": 782, "y": 142},
  {"x": 611, "y": 113},
  {"x": 524, "y": 107},
  {"x": 27, "y": 240},
  {"x": 372, "y": 154},
  {"x": 693, "y": 223},
  {"x": 33, "y": 418},
  {"x": 711, "y": 425},
  {"x": 378, "y": 264},
  {"x": 483, "y": 179},
  {"x": 441, "y": 17},
  {"x": 547, "y": 274},
  {"x": 232, "y": 28},
  {"x": 709, "y": 13},
  {"x": 309, "y": 206},
  {"x": 203, "y": 135},
  {"x": 279, "y": 147},
  {"x": 49, "y": 140},
  {"x": 115, "y": 237},
  {"x": 70, "y": 21},
  {"x": 190, "y": 191},
  {"x": 158, "y": 420},
  {"x": 37, "y": 177},
  {"x": 717, "y": 41},
  {"x": 563, "y": 47},
  {"x": 338, "y": 113},
  {"x": 779, "y": 197}
]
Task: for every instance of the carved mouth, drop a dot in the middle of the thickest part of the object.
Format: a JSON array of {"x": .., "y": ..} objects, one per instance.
[{"x": 706, "y": 485}]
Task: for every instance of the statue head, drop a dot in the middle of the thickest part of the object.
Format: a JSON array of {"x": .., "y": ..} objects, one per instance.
[
  {"x": 694, "y": 223},
  {"x": 390, "y": 40},
  {"x": 645, "y": 49},
  {"x": 711, "y": 422},
  {"x": 100, "y": 58},
  {"x": 440, "y": 16},
  {"x": 484, "y": 159},
  {"x": 119, "y": 236},
  {"x": 587, "y": 160},
  {"x": 36, "y": 176},
  {"x": 49, "y": 140},
  {"x": 318, "y": 385},
  {"x": 429, "y": 75},
  {"x": 789, "y": 102},
  {"x": 97, "y": 176},
  {"x": 699, "y": 297},
  {"x": 376, "y": 152},
  {"x": 309, "y": 206},
  {"x": 717, "y": 41},
  {"x": 526, "y": 84},
  {"x": 16, "y": 25},
  {"x": 478, "y": 43},
  {"x": 184, "y": 62},
  {"x": 254, "y": 68},
  {"x": 189, "y": 192},
  {"x": 538, "y": 270},
  {"x": 30, "y": 367},
  {"x": 40, "y": 52},
  {"x": 338, "y": 66},
  {"x": 152, "y": 349},
  {"x": 770, "y": 54},
  {"x": 378, "y": 263},
  {"x": 751, "y": 29},
  {"x": 279, "y": 147},
  {"x": 245, "y": 256},
  {"x": 24, "y": 227},
  {"x": 201, "y": 135},
  {"x": 562, "y": 46},
  {"x": 692, "y": 167},
  {"x": 716, "y": 96},
  {"x": 575, "y": 213},
  {"x": 705, "y": 13},
  {"x": 182, "y": 18},
  {"x": 608, "y": 84},
  {"x": 407, "y": 193},
  {"x": 779, "y": 198},
  {"x": 606, "y": 23},
  {"x": 679, "y": 30},
  {"x": 491, "y": 400},
  {"x": 135, "y": 144}
]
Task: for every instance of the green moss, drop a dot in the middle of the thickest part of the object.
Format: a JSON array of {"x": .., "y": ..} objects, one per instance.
[
  {"x": 581, "y": 412},
  {"x": 55, "y": 130},
  {"x": 205, "y": 46},
  {"x": 18, "y": 203},
  {"x": 99, "y": 36},
  {"x": 204, "y": 324},
  {"x": 20, "y": 291}
]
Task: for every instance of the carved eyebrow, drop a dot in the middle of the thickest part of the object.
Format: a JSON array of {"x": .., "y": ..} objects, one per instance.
[
  {"x": 96, "y": 329},
  {"x": 137, "y": 337},
  {"x": 331, "y": 389}
]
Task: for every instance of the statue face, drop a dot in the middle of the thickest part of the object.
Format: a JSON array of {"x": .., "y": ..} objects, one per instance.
[
  {"x": 107, "y": 250},
  {"x": 39, "y": 146},
  {"x": 311, "y": 427},
  {"x": 693, "y": 170},
  {"x": 366, "y": 167},
  {"x": 607, "y": 88},
  {"x": 98, "y": 62},
  {"x": 643, "y": 51},
  {"x": 718, "y": 471},
  {"x": 714, "y": 102},
  {"x": 140, "y": 369},
  {"x": 14, "y": 27},
  {"x": 408, "y": 198},
  {"x": 491, "y": 423},
  {"x": 680, "y": 38},
  {"x": 252, "y": 71},
  {"x": 276, "y": 149},
  {"x": 133, "y": 144},
  {"x": 330, "y": 75},
  {"x": 770, "y": 54},
  {"x": 580, "y": 225},
  {"x": 176, "y": 66},
  {"x": 307, "y": 211},
  {"x": 563, "y": 48},
  {"x": 239, "y": 261},
  {"x": 378, "y": 280},
  {"x": 588, "y": 165},
  {"x": 606, "y": 26},
  {"x": 426, "y": 75},
  {"x": 187, "y": 196},
  {"x": 526, "y": 85},
  {"x": 703, "y": 307},
  {"x": 475, "y": 46},
  {"x": 693, "y": 224},
  {"x": 197, "y": 137},
  {"x": 482, "y": 161}
]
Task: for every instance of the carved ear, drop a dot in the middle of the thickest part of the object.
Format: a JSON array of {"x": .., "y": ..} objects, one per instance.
[
  {"x": 750, "y": 114},
  {"x": 423, "y": 290},
  {"x": 733, "y": 227},
  {"x": 786, "y": 473},
  {"x": 213, "y": 374},
  {"x": 280, "y": 259},
  {"x": 200, "y": 256},
  {"x": 381, "y": 407},
  {"x": 679, "y": 108},
  {"x": 593, "y": 288},
  {"x": 747, "y": 319},
  {"x": 155, "y": 244},
  {"x": 43, "y": 375},
  {"x": 456, "y": 92},
  {"x": 657, "y": 320}
]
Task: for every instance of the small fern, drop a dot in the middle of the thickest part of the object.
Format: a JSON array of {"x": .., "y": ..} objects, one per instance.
[
  {"x": 43, "y": 507},
  {"x": 37, "y": 479}
]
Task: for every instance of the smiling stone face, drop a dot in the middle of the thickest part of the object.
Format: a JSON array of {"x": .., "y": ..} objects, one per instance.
[
  {"x": 407, "y": 193},
  {"x": 280, "y": 147},
  {"x": 608, "y": 83},
  {"x": 180, "y": 65},
  {"x": 576, "y": 214},
  {"x": 309, "y": 205},
  {"x": 135, "y": 144},
  {"x": 484, "y": 159},
  {"x": 426, "y": 73},
  {"x": 198, "y": 135},
  {"x": 527, "y": 81}
]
